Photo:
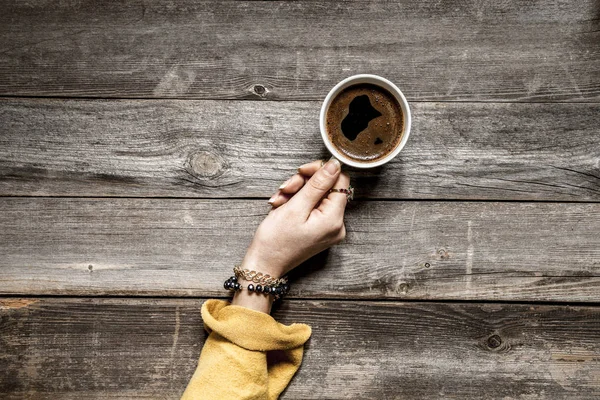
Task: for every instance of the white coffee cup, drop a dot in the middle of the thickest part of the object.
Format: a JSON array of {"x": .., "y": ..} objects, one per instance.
[{"x": 378, "y": 81}]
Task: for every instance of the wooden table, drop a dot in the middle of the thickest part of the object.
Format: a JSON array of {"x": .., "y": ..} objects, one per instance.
[{"x": 139, "y": 141}]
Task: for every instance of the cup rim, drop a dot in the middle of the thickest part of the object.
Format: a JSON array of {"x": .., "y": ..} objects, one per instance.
[{"x": 366, "y": 78}]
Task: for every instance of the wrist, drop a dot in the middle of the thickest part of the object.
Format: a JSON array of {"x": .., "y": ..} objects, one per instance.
[
  {"x": 252, "y": 300},
  {"x": 258, "y": 264}
]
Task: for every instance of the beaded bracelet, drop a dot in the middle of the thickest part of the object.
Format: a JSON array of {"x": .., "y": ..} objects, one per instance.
[{"x": 277, "y": 291}]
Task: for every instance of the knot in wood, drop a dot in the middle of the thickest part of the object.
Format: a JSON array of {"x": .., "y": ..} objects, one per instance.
[
  {"x": 206, "y": 164},
  {"x": 260, "y": 91},
  {"x": 494, "y": 341}
]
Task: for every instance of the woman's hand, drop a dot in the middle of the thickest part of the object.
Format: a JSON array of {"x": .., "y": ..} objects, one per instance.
[{"x": 305, "y": 220}]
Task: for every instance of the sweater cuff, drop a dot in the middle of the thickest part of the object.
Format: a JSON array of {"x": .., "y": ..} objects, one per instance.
[{"x": 251, "y": 329}]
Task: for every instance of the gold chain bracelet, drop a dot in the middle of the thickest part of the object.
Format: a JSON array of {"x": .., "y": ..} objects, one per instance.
[{"x": 258, "y": 277}]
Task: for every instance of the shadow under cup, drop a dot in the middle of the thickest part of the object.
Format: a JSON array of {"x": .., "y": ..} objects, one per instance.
[{"x": 373, "y": 80}]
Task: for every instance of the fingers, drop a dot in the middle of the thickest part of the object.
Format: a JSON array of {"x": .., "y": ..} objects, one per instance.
[
  {"x": 310, "y": 168},
  {"x": 287, "y": 190},
  {"x": 293, "y": 184},
  {"x": 279, "y": 199},
  {"x": 317, "y": 187},
  {"x": 336, "y": 204}
]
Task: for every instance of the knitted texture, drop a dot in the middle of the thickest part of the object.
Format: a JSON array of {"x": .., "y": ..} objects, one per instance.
[{"x": 248, "y": 355}]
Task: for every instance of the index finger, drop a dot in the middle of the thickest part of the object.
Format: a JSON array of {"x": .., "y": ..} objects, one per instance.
[{"x": 310, "y": 168}]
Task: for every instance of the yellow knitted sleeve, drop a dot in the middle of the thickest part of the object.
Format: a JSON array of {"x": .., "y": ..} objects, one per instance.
[{"x": 248, "y": 355}]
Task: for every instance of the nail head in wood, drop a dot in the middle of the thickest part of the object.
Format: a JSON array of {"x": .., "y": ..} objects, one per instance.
[
  {"x": 443, "y": 253},
  {"x": 403, "y": 288}
]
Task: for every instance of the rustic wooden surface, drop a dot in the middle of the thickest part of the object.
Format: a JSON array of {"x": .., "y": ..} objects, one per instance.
[
  {"x": 131, "y": 166},
  {"x": 416, "y": 250},
  {"x": 247, "y": 149},
  {"x": 121, "y": 348},
  {"x": 435, "y": 50}
]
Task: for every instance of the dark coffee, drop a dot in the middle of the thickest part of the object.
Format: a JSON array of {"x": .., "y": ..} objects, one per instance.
[{"x": 365, "y": 122}]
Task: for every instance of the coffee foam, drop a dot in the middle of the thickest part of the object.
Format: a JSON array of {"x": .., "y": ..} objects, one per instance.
[{"x": 365, "y": 122}]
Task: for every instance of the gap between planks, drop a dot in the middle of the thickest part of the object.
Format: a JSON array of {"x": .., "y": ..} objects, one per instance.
[
  {"x": 356, "y": 200},
  {"x": 277, "y": 100},
  {"x": 388, "y": 300}
]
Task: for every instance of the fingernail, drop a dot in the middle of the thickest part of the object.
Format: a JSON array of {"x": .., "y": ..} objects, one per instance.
[
  {"x": 332, "y": 166},
  {"x": 272, "y": 199},
  {"x": 284, "y": 184},
  {"x": 300, "y": 168}
]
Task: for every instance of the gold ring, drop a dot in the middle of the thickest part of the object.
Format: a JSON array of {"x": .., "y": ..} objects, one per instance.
[{"x": 348, "y": 192}]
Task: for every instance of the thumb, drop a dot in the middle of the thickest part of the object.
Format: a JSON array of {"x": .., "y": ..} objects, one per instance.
[{"x": 317, "y": 187}]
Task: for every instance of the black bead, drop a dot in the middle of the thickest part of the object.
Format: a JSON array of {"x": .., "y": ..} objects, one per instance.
[
  {"x": 278, "y": 290},
  {"x": 237, "y": 286},
  {"x": 267, "y": 289},
  {"x": 251, "y": 287},
  {"x": 286, "y": 288},
  {"x": 226, "y": 285},
  {"x": 259, "y": 288}
]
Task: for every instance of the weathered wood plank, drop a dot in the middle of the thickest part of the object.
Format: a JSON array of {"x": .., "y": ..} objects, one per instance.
[
  {"x": 239, "y": 148},
  {"x": 413, "y": 250},
  {"x": 435, "y": 50},
  {"x": 93, "y": 348}
]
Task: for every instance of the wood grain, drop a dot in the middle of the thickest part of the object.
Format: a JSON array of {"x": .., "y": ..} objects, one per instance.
[
  {"x": 434, "y": 50},
  {"x": 412, "y": 250},
  {"x": 130, "y": 348},
  {"x": 247, "y": 149}
]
